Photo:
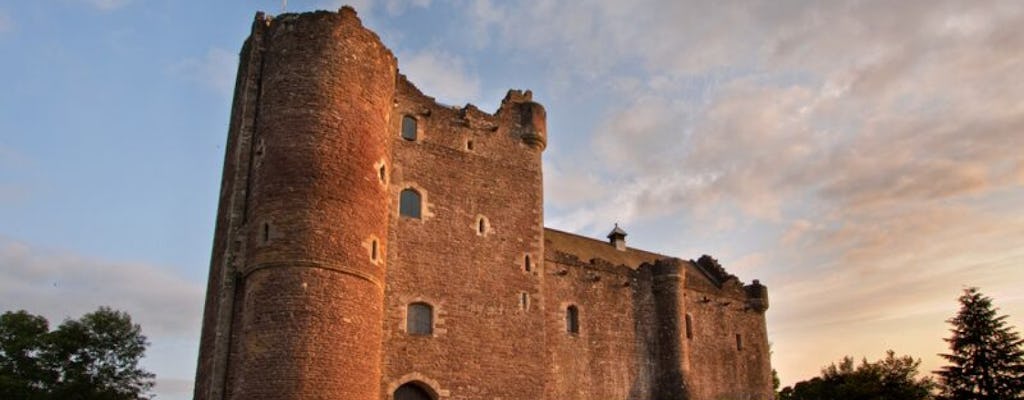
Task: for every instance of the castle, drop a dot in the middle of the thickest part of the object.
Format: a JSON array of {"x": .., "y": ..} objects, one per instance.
[{"x": 371, "y": 243}]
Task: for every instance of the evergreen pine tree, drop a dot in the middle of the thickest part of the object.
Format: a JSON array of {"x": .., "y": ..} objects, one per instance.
[{"x": 986, "y": 357}]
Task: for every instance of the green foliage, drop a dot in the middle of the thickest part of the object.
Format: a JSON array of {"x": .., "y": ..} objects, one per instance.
[
  {"x": 92, "y": 358},
  {"x": 22, "y": 371},
  {"x": 987, "y": 357},
  {"x": 891, "y": 378}
]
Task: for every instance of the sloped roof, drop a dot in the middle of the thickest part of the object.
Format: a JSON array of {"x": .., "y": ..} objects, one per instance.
[{"x": 587, "y": 248}]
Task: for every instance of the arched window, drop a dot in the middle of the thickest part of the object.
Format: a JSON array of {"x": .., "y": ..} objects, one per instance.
[
  {"x": 420, "y": 319},
  {"x": 409, "y": 128},
  {"x": 572, "y": 320},
  {"x": 412, "y": 391},
  {"x": 409, "y": 204}
]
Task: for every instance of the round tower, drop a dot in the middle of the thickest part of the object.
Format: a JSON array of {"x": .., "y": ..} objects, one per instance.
[{"x": 317, "y": 213}]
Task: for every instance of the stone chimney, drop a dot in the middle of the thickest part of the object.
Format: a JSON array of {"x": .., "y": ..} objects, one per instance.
[{"x": 617, "y": 238}]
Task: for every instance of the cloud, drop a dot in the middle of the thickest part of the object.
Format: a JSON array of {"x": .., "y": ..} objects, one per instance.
[
  {"x": 6, "y": 23},
  {"x": 398, "y": 7},
  {"x": 215, "y": 70},
  {"x": 851, "y": 115},
  {"x": 60, "y": 284},
  {"x": 441, "y": 74},
  {"x": 174, "y": 388},
  {"x": 363, "y": 7},
  {"x": 108, "y": 5}
]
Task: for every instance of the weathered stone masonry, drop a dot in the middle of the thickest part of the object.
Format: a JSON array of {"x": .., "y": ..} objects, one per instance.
[{"x": 315, "y": 265}]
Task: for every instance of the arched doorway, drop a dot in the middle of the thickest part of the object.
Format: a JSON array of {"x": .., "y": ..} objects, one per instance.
[{"x": 412, "y": 391}]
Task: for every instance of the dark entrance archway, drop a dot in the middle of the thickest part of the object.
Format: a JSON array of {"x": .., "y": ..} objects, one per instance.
[{"x": 412, "y": 391}]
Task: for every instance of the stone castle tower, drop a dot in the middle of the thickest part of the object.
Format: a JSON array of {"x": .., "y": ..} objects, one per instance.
[{"x": 374, "y": 244}]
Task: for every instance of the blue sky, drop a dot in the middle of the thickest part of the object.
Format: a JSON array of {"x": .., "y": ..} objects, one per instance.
[{"x": 863, "y": 159}]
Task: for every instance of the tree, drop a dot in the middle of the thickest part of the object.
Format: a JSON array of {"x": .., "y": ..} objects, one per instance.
[
  {"x": 92, "y": 358},
  {"x": 891, "y": 378},
  {"x": 22, "y": 373},
  {"x": 776, "y": 382},
  {"x": 986, "y": 356}
]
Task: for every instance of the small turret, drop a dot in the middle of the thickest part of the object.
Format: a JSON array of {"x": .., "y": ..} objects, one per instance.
[
  {"x": 757, "y": 296},
  {"x": 617, "y": 238},
  {"x": 529, "y": 120}
]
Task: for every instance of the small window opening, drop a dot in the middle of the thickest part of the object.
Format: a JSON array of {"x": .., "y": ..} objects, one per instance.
[
  {"x": 266, "y": 232},
  {"x": 526, "y": 263},
  {"x": 689, "y": 326},
  {"x": 420, "y": 319},
  {"x": 383, "y": 173},
  {"x": 481, "y": 226},
  {"x": 373, "y": 250},
  {"x": 524, "y": 300},
  {"x": 409, "y": 128},
  {"x": 572, "y": 320},
  {"x": 469, "y": 145},
  {"x": 739, "y": 342},
  {"x": 409, "y": 204}
]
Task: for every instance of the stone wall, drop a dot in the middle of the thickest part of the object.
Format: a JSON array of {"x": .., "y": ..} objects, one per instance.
[
  {"x": 467, "y": 165},
  {"x": 601, "y": 361}
]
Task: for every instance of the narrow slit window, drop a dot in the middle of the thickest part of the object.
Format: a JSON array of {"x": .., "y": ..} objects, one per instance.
[
  {"x": 524, "y": 300},
  {"x": 420, "y": 319},
  {"x": 689, "y": 326},
  {"x": 383, "y": 173},
  {"x": 572, "y": 320},
  {"x": 739, "y": 342},
  {"x": 374, "y": 250},
  {"x": 409, "y": 128},
  {"x": 409, "y": 204},
  {"x": 266, "y": 232},
  {"x": 481, "y": 226},
  {"x": 526, "y": 263}
]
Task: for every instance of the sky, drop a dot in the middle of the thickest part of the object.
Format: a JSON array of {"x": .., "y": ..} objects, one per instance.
[{"x": 863, "y": 159}]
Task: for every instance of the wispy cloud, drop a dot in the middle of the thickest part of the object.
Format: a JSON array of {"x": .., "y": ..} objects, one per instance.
[
  {"x": 363, "y": 7},
  {"x": 61, "y": 284},
  {"x": 397, "y": 7},
  {"x": 441, "y": 74},
  {"x": 174, "y": 388},
  {"x": 215, "y": 70},
  {"x": 6, "y": 23},
  {"x": 107, "y": 5}
]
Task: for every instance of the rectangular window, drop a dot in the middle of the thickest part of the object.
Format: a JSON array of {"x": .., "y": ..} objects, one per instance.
[{"x": 420, "y": 319}]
